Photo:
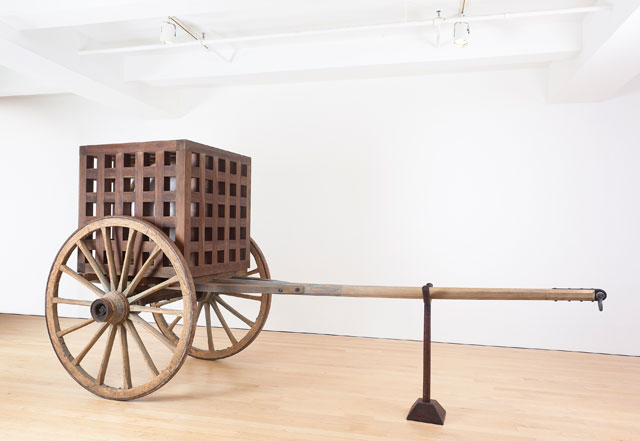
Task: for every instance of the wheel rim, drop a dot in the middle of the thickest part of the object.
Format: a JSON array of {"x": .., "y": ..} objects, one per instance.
[
  {"x": 217, "y": 337},
  {"x": 112, "y": 305}
]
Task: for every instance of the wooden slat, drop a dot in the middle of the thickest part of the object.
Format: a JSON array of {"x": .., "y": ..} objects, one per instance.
[
  {"x": 207, "y": 314},
  {"x": 89, "y": 345},
  {"x": 167, "y": 302},
  {"x": 140, "y": 321},
  {"x": 216, "y": 309},
  {"x": 107, "y": 354},
  {"x": 155, "y": 288},
  {"x": 241, "y": 296},
  {"x": 232, "y": 310},
  {"x": 127, "y": 260},
  {"x": 110, "y": 258},
  {"x": 200, "y": 306},
  {"x": 126, "y": 367},
  {"x": 174, "y": 323},
  {"x": 68, "y": 271},
  {"x": 71, "y": 301},
  {"x": 143, "y": 349},
  {"x": 75, "y": 327},
  {"x": 96, "y": 268},
  {"x": 140, "y": 308},
  {"x": 142, "y": 271}
]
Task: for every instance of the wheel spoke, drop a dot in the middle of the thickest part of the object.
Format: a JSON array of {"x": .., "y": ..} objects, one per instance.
[
  {"x": 232, "y": 310},
  {"x": 107, "y": 354},
  {"x": 232, "y": 338},
  {"x": 68, "y": 271},
  {"x": 155, "y": 288},
  {"x": 143, "y": 269},
  {"x": 174, "y": 323},
  {"x": 253, "y": 271},
  {"x": 126, "y": 367},
  {"x": 96, "y": 268},
  {"x": 140, "y": 321},
  {"x": 75, "y": 327},
  {"x": 110, "y": 262},
  {"x": 87, "y": 348},
  {"x": 127, "y": 260},
  {"x": 207, "y": 314},
  {"x": 200, "y": 305},
  {"x": 72, "y": 301},
  {"x": 147, "y": 358},
  {"x": 140, "y": 308},
  {"x": 167, "y": 302},
  {"x": 242, "y": 296}
]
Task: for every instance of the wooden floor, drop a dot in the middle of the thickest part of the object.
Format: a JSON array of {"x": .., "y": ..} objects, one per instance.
[{"x": 315, "y": 387}]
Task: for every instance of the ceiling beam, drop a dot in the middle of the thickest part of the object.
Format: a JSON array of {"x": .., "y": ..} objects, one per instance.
[
  {"x": 609, "y": 58},
  {"x": 79, "y": 13},
  {"x": 53, "y": 66},
  {"x": 15, "y": 84},
  {"x": 491, "y": 46},
  {"x": 348, "y": 31}
]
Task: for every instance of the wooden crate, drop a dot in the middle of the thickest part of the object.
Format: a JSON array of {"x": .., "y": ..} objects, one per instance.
[{"x": 198, "y": 195}]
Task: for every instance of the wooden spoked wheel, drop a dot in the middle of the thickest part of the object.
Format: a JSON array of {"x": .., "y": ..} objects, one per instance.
[
  {"x": 231, "y": 322},
  {"x": 113, "y": 305}
]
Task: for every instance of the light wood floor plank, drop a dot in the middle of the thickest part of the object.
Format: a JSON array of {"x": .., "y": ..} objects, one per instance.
[{"x": 314, "y": 387}]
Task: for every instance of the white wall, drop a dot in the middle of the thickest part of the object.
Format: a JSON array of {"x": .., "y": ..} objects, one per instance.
[{"x": 468, "y": 179}]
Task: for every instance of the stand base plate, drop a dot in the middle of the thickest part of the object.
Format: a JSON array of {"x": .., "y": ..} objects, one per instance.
[{"x": 427, "y": 412}]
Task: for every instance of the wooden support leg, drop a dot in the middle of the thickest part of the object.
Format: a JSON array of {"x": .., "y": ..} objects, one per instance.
[{"x": 425, "y": 409}]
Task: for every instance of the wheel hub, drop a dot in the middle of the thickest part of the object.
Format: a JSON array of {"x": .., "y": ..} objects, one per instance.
[{"x": 112, "y": 308}]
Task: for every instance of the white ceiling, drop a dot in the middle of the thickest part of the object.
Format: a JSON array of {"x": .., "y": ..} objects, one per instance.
[{"x": 40, "y": 43}]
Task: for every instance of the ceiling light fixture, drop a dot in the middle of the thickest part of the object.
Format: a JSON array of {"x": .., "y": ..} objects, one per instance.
[
  {"x": 461, "y": 33},
  {"x": 222, "y": 40},
  {"x": 437, "y": 23},
  {"x": 461, "y": 30},
  {"x": 167, "y": 32},
  {"x": 168, "y": 35}
]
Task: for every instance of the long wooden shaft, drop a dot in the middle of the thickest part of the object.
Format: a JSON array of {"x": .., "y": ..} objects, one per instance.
[
  {"x": 512, "y": 294},
  {"x": 450, "y": 293},
  {"x": 250, "y": 285}
]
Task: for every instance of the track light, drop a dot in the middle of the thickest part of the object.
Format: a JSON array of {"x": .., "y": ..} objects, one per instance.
[
  {"x": 167, "y": 32},
  {"x": 461, "y": 29},
  {"x": 461, "y": 33}
]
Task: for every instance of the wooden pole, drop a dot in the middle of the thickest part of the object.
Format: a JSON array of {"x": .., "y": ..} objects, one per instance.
[
  {"x": 248, "y": 285},
  {"x": 425, "y": 409},
  {"x": 426, "y": 340},
  {"x": 512, "y": 294}
]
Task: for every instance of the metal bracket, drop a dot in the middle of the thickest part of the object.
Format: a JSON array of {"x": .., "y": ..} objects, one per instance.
[
  {"x": 599, "y": 295},
  {"x": 202, "y": 40}
]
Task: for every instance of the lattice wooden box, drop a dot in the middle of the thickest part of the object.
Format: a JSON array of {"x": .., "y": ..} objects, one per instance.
[{"x": 198, "y": 195}]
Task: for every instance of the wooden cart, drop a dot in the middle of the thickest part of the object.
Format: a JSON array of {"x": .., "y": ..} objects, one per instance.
[{"x": 164, "y": 239}]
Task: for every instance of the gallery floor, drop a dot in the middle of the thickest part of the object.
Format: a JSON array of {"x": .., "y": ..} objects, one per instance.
[{"x": 313, "y": 387}]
